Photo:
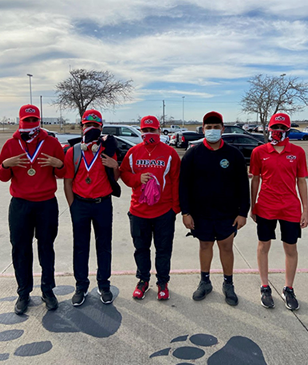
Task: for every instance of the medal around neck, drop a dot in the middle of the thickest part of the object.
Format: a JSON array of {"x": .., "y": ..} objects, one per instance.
[
  {"x": 88, "y": 180},
  {"x": 31, "y": 171}
]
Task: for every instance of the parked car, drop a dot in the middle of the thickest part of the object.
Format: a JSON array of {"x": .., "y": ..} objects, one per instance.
[
  {"x": 172, "y": 129},
  {"x": 243, "y": 142},
  {"x": 69, "y": 140},
  {"x": 182, "y": 138},
  {"x": 293, "y": 124},
  {"x": 124, "y": 131},
  {"x": 172, "y": 140},
  {"x": 296, "y": 134},
  {"x": 235, "y": 129},
  {"x": 250, "y": 127},
  {"x": 50, "y": 133}
]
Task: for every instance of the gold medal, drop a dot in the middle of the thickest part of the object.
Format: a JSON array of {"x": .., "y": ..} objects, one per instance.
[
  {"x": 31, "y": 172},
  {"x": 88, "y": 180}
]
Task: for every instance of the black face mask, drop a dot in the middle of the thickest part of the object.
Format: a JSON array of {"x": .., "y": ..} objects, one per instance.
[
  {"x": 25, "y": 136},
  {"x": 92, "y": 135}
]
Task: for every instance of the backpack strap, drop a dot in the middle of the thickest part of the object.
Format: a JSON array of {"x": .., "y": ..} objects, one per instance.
[{"x": 76, "y": 157}]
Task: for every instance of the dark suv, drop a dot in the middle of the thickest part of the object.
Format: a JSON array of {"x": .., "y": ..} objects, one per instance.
[{"x": 182, "y": 138}]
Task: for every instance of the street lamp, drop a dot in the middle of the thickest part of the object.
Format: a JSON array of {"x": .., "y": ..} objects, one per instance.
[
  {"x": 183, "y": 97},
  {"x": 30, "y": 87}
]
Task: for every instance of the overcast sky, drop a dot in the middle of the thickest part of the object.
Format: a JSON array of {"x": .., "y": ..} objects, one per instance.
[{"x": 202, "y": 50}]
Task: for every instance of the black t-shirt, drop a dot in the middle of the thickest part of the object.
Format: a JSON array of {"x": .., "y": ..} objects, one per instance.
[{"x": 214, "y": 183}]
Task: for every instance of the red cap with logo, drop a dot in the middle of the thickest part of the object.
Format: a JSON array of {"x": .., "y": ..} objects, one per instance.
[
  {"x": 213, "y": 118},
  {"x": 149, "y": 122},
  {"x": 92, "y": 116},
  {"x": 28, "y": 111},
  {"x": 280, "y": 118}
]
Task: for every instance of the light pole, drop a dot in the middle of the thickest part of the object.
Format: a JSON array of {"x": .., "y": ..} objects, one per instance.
[
  {"x": 30, "y": 87},
  {"x": 183, "y": 97}
]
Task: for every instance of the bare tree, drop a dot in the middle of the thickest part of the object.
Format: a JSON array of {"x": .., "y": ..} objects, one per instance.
[
  {"x": 98, "y": 89},
  {"x": 268, "y": 95}
]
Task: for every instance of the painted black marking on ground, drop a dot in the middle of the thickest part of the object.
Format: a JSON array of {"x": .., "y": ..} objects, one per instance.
[
  {"x": 12, "y": 318},
  {"x": 10, "y": 335},
  {"x": 188, "y": 353},
  {"x": 33, "y": 349},
  {"x": 238, "y": 351},
  {"x": 202, "y": 339},
  {"x": 63, "y": 290},
  {"x": 180, "y": 338},
  {"x": 163, "y": 352},
  {"x": 93, "y": 317}
]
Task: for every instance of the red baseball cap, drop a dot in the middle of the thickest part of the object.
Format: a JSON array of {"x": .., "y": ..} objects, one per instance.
[
  {"x": 92, "y": 116},
  {"x": 28, "y": 111},
  {"x": 149, "y": 122},
  {"x": 280, "y": 118},
  {"x": 213, "y": 118}
]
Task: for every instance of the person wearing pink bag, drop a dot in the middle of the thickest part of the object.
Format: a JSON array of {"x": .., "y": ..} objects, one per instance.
[{"x": 151, "y": 169}]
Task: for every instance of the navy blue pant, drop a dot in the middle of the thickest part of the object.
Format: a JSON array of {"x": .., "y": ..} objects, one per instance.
[
  {"x": 28, "y": 219},
  {"x": 162, "y": 230},
  {"x": 100, "y": 214}
]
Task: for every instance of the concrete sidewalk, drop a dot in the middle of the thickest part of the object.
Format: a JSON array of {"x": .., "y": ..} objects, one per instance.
[{"x": 178, "y": 331}]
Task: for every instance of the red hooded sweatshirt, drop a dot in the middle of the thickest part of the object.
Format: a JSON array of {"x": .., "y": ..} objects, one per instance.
[
  {"x": 42, "y": 185},
  {"x": 163, "y": 162}
]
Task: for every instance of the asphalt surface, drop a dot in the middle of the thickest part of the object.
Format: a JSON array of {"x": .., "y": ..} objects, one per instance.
[{"x": 177, "y": 331}]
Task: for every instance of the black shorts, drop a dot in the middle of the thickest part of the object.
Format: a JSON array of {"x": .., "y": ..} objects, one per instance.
[
  {"x": 290, "y": 231},
  {"x": 211, "y": 230}
]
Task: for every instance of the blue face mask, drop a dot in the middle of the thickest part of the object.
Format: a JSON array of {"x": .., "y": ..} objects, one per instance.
[{"x": 212, "y": 135}]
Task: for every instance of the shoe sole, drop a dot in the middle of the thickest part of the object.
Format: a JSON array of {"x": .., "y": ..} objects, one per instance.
[
  {"x": 83, "y": 300},
  {"x": 48, "y": 307},
  {"x": 143, "y": 295},
  {"x": 109, "y": 301},
  {"x": 201, "y": 298},
  {"x": 285, "y": 303},
  {"x": 162, "y": 299},
  {"x": 266, "y": 306}
]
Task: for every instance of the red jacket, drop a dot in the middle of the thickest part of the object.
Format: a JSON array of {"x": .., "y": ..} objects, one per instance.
[
  {"x": 164, "y": 163},
  {"x": 41, "y": 186}
]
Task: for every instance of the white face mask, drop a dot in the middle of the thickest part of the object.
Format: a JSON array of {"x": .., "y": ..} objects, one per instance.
[{"x": 212, "y": 135}]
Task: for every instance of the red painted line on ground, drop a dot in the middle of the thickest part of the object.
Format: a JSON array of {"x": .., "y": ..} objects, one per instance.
[{"x": 178, "y": 271}]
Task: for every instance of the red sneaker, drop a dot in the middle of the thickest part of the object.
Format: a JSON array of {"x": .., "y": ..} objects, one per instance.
[
  {"x": 163, "y": 292},
  {"x": 141, "y": 288}
]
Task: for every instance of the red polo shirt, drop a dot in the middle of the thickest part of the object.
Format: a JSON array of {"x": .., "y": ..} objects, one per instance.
[
  {"x": 278, "y": 198},
  {"x": 99, "y": 186}
]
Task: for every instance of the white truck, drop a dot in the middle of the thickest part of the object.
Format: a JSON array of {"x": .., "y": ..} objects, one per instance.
[{"x": 172, "y": 129}]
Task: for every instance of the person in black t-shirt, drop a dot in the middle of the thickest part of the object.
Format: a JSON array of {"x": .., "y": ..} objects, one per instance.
[{"x": 214, "y": 199}]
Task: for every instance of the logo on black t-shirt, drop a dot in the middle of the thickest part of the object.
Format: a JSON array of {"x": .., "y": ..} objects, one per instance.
[{"x": 224, "y": 163}]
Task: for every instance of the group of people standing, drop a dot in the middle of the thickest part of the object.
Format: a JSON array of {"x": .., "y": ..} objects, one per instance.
[{"x": 210, "y": 187}]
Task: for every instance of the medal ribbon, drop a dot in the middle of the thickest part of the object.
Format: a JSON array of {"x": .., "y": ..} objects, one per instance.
[
  {"x": 33, "y": 157},
  {"x": 88, "y": 167}
]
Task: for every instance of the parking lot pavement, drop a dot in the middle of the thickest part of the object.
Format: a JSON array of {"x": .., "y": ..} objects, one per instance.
[{"x": 178, "y": 331}]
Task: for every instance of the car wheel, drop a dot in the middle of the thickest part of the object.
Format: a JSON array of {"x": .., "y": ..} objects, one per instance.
[
  {"x": 305, "y": 138},
  {"x": 165, "y": 133}
]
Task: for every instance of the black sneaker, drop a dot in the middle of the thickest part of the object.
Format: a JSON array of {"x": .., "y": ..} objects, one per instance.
[
  {"x": 21, "y": 305},
  {"x": 79, "y": 297},
  {"x": 289, "y": 298},
  {"x": 202, "y": 290},
  {"x": 231, "y": 297},
  {"x": 267, "y": 300},
  {"x": 50, "y": 299},
  {"x": 106, "y": 296}
]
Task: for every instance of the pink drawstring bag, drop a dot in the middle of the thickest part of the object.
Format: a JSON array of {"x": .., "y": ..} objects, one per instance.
[{"x": 150, "y": 192}]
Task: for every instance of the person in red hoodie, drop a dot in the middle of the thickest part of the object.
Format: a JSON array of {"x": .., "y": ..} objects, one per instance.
[
  {"x": 32, "y": 160},
  {"x": 151, "y": 169}
]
